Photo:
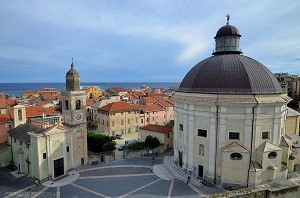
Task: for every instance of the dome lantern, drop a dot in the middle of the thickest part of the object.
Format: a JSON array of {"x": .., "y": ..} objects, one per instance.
[{"x": 227, "y": 40}]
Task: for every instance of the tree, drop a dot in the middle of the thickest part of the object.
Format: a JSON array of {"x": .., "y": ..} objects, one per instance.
[
  {"x": 170, "y": 124},
  {"x": 96, "y": 141},
  {"x": 109, "y": 146},
  {"x": 151, "y": 141}
]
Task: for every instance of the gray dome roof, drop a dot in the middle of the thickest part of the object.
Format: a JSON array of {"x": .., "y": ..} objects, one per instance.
[
  {"x": 72, "y": 72},
  {"x": 228, "y": 30},
  {"x": 230, "y": 73}
]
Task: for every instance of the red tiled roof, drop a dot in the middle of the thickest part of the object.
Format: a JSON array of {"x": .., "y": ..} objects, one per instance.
[
  {"x": 152, "y": 107},
  {"x": 152, "y": 94},
  {"x": 164, "y": 102},
  {"x": 149, "y": 100},
  {"x": 118, "y": 106},
  {"x": 5, "y": 117},
  {"x": 157, "y": 128},
  {"x": 49, "y": 96},
  {"x": 36, "y": 111},
  {"x": 117, "y": 89},
  {"x": 90, "y": 102},
  {"x": 7, "y": 102}
]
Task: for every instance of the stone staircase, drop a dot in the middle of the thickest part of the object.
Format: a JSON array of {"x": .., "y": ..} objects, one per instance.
[{"x": 179, "y": 173}]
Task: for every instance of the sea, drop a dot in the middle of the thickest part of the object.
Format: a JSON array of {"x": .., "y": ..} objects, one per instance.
[{"x": 15, "y": 89}]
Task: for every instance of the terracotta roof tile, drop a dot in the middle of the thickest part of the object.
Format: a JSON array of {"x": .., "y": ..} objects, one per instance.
[
  {"x": 117, "y": 89},
  {"x": 157, "y": 128},
  {"x": 118, "y": 106},
  {"x": 37, "y": 111}
]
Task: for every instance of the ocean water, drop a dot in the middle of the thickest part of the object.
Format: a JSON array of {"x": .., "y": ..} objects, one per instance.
[{"x": 15, "y": 89}]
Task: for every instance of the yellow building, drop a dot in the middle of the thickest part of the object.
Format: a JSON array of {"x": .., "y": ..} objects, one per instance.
[
  {"x": 93, "y": 92},
  {"x": 117, "y": 118}
]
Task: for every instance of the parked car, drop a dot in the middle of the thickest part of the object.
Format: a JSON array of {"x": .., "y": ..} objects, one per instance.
[
  {"x": 128, "y": 142},
  {"x": 122, "y": 147},
  {"x": 119, "y": 136},
  {"x": 113, "y": 137}
]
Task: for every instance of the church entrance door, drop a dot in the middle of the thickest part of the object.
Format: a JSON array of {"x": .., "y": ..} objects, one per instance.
[
  {"x": 180, "y": 158},
  {"x": 58, "y": 167},
  {"x": 200, "y": 169}
]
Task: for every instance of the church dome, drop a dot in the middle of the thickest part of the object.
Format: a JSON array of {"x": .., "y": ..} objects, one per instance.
[
  {"x": 228, "y": 71},
  {"x": 228, "y": 30}
]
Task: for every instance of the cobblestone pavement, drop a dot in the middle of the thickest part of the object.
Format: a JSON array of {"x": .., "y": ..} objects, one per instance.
[{"x": 122, "y": 178}]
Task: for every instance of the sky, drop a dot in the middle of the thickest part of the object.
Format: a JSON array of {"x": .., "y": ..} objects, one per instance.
[{"x": 138, "y": 40}]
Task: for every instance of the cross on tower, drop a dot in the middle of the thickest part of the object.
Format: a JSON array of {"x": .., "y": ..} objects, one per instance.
[{"x": 228, "y": 17}]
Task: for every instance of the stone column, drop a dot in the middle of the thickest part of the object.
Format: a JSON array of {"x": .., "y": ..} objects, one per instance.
[
  {"x": 185, "y": 138},
  {"x": 212, "y": 145},
  {"x": 175, "y": 133},
  {"x": 190, "y": 146}
]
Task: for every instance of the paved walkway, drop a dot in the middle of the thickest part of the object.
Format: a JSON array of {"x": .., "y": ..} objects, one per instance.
[
  {"x": 72, "y": 176},
  {"x": 137, "y": 177}
]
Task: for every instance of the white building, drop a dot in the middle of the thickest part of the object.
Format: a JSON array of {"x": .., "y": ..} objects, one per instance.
[{"x": 230, "y": 114}]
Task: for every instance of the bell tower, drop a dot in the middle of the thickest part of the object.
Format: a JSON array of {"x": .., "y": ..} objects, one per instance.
[{"x": 74, "y": 115}]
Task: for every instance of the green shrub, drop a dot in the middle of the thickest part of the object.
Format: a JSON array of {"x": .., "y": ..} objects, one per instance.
[
  {"x": 151, "y": 141},
  {"x": 96, "y": 141},
  {"x": 136, "y": 146}
]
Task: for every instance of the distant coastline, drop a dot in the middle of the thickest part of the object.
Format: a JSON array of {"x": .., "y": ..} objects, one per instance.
[{"x": 15, "y": 89}]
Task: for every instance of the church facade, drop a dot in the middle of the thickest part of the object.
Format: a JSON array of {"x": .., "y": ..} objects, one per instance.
[
  {"x": 230, "y": 114},
  {"x": 47, "y": 154}
]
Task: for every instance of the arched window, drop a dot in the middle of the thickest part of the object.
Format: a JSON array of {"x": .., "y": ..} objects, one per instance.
[
  {"x": 78, "y": 104},
  {"x": 67, "y": 105},
  {"x": 272, "y": 155},
  {"x": 20, "y": 114},
  {"x": 236, "y": 156},
  {"x": 201, "y": 150}
]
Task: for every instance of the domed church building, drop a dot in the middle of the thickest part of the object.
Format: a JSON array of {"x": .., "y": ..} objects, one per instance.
[{"x": 229, "y": 119}]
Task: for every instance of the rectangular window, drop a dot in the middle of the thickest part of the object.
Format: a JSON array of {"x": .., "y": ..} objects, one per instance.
[
  {"x": 112, "y": 123},
  {"x": 152, "y": 118},
  {"x": 234, "y": 135},
  {"x": 20, "y": 142},
  {"x": 122, "y": 122},
  {"x": 202, "y": 133},
  {"x": 27, "y": 146},
  {"x": 265, "y": 135},
  {"x": 15, "y": 140},
  {"x": 180, "y": 127},
  {"x": 142, "y": 121},
  {"x": 44, "y": 155},
  {"x": 128, "y": 121},
  {"x": 147, "y": 119},
  {"x": 68, "y": 148},
  {"x": 107, "y": 123}
]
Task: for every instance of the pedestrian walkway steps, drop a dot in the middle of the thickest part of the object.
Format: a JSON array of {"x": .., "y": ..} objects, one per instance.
[
  {"x": 179, "y": 173},
  {"x": 162, "y": 172}
]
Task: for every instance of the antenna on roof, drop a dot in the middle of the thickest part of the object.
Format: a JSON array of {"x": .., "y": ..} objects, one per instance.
[{"x": 228, "y": 17}]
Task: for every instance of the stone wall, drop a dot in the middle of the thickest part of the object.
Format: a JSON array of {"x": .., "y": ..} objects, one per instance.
[{"x": 279, "y": 189}]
